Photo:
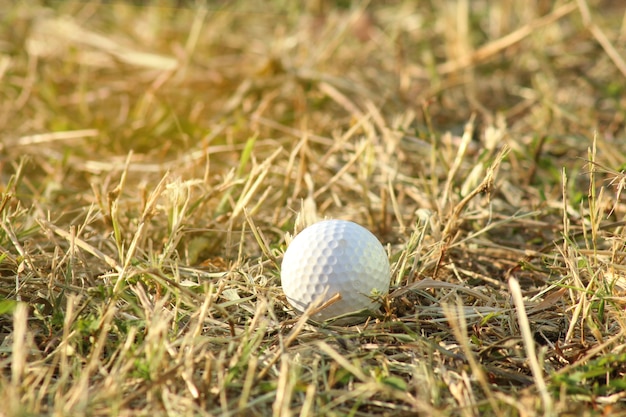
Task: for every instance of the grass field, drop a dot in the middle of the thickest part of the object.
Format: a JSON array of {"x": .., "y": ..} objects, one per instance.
[{"x": 155, "y": 160}]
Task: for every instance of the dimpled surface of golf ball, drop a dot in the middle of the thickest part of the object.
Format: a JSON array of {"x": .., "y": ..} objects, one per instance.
[{"x": 335, "y": 256}]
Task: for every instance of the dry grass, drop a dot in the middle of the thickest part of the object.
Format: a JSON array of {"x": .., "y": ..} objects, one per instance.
[{"x": 155, "y": 159}]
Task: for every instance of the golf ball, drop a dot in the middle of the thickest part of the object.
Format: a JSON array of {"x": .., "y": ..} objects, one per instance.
[{"x": 330, "y": 257}]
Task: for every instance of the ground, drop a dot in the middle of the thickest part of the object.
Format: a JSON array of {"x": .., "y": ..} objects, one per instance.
[{"x": 156, "y": 160}]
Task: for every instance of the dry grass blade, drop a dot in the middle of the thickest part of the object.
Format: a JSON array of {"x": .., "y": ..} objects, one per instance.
[
  {"x": 456, "y": 319},
  {"x": 18, "y": 360},
  {"x": 300, "y": 323},
  {"x": 484, "y": 187},
  {"x": 261, "y": 240},
  {"x": 16, "y": 243},
  {"x": 81, "y": 244},
  {"x": 529, "y": 346},
  {"x": 489, "y": 50},
  {"x": 357, "y": 372},
  {"x": 601, "y": 37},
  {"x": 147, "y": 214},
  {"x": 54, "y": 136}
]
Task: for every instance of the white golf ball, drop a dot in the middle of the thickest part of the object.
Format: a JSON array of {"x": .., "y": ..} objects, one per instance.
[{"x": 330, "y": 257}]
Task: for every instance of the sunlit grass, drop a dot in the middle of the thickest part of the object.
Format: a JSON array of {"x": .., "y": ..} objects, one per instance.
[{"x": 156, "y": 160}]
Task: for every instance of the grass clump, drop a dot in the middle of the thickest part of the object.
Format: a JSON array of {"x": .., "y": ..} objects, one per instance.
[{"x": 155, "y": 161}]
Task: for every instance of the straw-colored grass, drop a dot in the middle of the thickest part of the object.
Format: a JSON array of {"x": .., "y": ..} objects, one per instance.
[{"x": 155, "y": 161}]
